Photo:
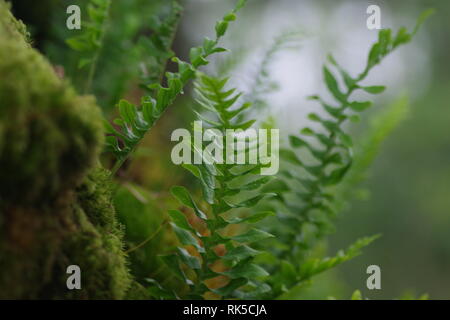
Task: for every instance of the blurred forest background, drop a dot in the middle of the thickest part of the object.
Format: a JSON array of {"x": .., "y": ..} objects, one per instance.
[{"x": 406, "y": 197}]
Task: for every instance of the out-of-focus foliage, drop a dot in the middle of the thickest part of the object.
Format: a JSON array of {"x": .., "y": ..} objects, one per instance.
[
  {"x": 307, "y": 193},
  {"x": 406, "y": 195},
  {"x": 90, "y": 41},
  {"x": 123, "y": 53},
  {"x": 263, "y": 84},
  {"x": 146, "y": 233},
  {"x": 368, "y": 147},
  {"x": 156, "y": 49}
]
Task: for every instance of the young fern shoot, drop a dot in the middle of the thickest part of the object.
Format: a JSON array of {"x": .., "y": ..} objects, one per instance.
[{"x": 135, "y": 122}]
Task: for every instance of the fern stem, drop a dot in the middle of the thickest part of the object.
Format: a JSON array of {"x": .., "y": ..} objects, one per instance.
[
  {"x": 151, "y": 237},
  {"x": 91, "y": 73},
  {"x": 117, "y": 165}
]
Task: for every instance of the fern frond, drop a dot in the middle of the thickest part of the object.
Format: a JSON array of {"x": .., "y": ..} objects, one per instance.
[
  {"x": 230, "y": 190},
  {"x": 293, "y": 279},
  {"x": 309, "y": 197},
  {"x": 136, "y": 121},
  {"x": 263, "y": 84}
]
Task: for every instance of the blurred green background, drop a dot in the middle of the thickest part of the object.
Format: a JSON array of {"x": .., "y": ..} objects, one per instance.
[{"x": 407, "y": 193}]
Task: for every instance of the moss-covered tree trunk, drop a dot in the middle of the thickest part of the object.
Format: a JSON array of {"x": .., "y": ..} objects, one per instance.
[{"x": 55, "y": 206}]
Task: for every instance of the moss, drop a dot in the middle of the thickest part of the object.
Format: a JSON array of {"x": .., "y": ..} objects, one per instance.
[
  {"x": 105, "y": 255},
  {"x": 94, "y": 195},
  {"x": 49, "y": 136},
  {"x": 38, "y": 245},
  {"x": 55, "y": 207},
  {"x": 15, "y": 28}
]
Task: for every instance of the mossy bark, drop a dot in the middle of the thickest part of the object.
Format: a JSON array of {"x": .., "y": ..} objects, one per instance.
[{"x": 55, "y": 203}]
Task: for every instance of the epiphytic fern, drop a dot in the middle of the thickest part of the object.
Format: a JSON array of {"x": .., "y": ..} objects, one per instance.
[
  {"x": 230, "y": 190},
  {"x": 135, "y": 121},
  {"x": 308, "y": 200}
]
